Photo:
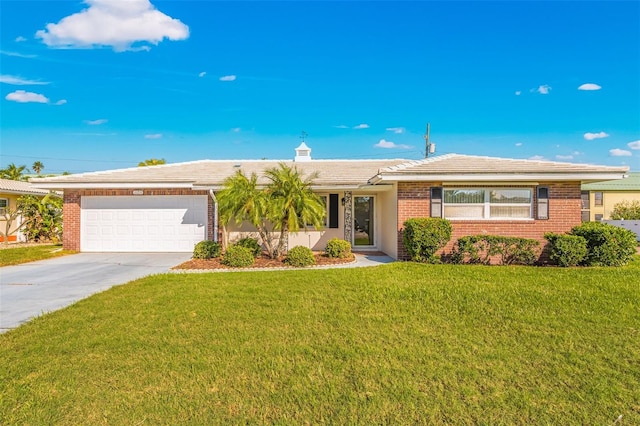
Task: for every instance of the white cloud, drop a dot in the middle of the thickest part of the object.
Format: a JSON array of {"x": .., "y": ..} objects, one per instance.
[
  {"x": 589, "y": 86},
  {"x": 518, "y": 92},
  {"x": 153, "y": 136},
  {"x": 396, "y": 130},
  {"x": 341, "y": 126},
  {"x": 19, "y": 81},
  {"x": 228, "y": 78},
  {"x": 61, "y": 102},
  {"x": 616, "y": 152},
  {"x": 96, "y": 122},
  {"x": 17, "y": 55},
  {"x": 236, "y": 130},
  {"x": 519, "y": 144},
  {"x": 634, "y": 144},
  {"x": 361, "y": 126},
  {"x": 543, "y": 89},
  {"x": 591, "y": 136},
  {"x": 537, "y": 158},
  {"x": 23, "y": 97},
  {"x": 20, "y": 39},
  {"x": 564, "y": 157},
  {"x": 202, "y": 74},
  {"x": 388, "y": 144},
  {"x": 118, "y": 24}
]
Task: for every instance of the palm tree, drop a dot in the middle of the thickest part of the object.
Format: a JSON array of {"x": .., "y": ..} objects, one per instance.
[
  {"x": 14, "y": 172},
  {"x": 292, "y": 203},
  {"x": 152, "y": 162},
  {"x": 286, "y": 204},
  {"x": 37, "y": 167}
]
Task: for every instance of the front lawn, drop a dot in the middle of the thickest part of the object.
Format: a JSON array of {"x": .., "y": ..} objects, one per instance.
[
  {"x": 23, "y": 254},
  {"x": 400, "y": 344}
]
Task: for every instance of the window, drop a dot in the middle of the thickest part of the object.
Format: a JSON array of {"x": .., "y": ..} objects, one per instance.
[
  {"x": 324, "y": 200},
  {"x": 4, "y": 204},
  {"x": 597, "y": 198},
  {"x": 584, "y": 198},
  {"x": 598, "y": 217},
  {"x": 488, "y": 203}
]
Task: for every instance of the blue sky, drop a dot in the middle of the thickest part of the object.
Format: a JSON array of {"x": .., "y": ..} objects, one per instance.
[{"x": 104, "y": 84}]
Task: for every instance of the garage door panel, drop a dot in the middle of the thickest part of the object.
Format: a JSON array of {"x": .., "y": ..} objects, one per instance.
[{"x": 139, "y": 224}]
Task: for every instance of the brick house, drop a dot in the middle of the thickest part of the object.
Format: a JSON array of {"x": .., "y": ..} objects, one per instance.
[{"x": 172, "y": 207}]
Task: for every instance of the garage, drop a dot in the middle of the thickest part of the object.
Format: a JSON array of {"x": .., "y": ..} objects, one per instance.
[{"x": 159, "y": 223}]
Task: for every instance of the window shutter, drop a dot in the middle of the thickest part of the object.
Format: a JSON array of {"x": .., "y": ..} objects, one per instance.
[
  {"x": 436, "y": 202},
  {"x": 543, "y": 202},
  {"x": 333, "y": 210}
]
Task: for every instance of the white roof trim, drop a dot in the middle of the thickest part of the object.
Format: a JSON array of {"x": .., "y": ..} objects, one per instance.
[
  {"x": 493, "y": 177},
  {"x": 114, "y": 185}
]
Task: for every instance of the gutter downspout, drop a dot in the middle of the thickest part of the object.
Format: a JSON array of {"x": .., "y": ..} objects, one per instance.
[{"x": 215, "y": 215}]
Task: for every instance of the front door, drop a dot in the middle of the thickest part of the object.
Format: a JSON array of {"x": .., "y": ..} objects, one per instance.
[{"x": 363, "y": 224}]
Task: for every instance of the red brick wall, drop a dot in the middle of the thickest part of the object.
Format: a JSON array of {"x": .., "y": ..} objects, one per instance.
[
  {"x": 71, "y": 209},
  {"x": 564, "y": 213}
]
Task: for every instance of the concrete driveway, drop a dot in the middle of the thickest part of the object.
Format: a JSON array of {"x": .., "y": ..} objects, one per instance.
[{"x": 31, "y": 289}]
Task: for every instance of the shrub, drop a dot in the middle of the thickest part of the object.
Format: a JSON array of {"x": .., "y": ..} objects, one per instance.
[
  {"x": 626, "y": 210},
  {"x": 607, "y": 245},
  {"x": 338, "y": 248},
  {"x": 566, "y": 250},
  {"x": 423, "y": 237},
  {"x": 206, "y": 250},
  {"x": 252, "y": 244},
  {"x": 300, "y": 256},
  {"x": 485, "y": 248},
  {"x": 238, "y": 256}
]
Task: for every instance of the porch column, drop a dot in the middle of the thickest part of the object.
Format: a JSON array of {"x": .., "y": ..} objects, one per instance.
[{"x": 348, "y": 217}]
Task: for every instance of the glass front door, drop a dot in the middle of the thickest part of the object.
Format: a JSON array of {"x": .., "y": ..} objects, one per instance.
[{"x": 363, "y": 224}]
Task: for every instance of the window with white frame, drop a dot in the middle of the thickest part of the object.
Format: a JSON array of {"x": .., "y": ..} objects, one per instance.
[
  {"x": 4, "y": 205},
  {"x": 488, "y": 203}
]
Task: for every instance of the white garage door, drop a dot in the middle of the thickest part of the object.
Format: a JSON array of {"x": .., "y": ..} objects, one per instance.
[{"x": 163, "y": 223}]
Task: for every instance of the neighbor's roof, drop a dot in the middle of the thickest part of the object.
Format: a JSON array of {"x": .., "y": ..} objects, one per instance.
[
  {"x": 8, "y": 186},
  {"x": 630, "y": 183},
  {"x": 212, "y": 173},
  {"x": 456, "y": 167},
  {"x": 338, "y": 173}
]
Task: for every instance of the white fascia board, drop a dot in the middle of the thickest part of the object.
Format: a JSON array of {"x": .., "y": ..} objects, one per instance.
[
  {"x": 112, "y": 185},
  {"x": 498, "y": 177}
]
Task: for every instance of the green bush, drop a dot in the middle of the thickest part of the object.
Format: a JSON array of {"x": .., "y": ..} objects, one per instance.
[
  {"x": 607, "y": 245},
  {"x": 238, "y": 256},
  {"x": 423, "y": 237},
  {"x": 252, "y": 244},
  {"x": 626, "y": 210},
  {"x": 206, "y": 250},
  {"x": 337, "y": 248},
  {"x": 566, "y": 250},
  {"x": 485, "y": 248},
  {"x": 300, "y": 256}
]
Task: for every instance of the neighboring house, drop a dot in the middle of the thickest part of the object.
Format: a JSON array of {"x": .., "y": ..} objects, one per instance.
[
  {"x": 172, "y": 207},
  {"x": 599, "y": 198},
  {"x": 10, "y": 191}
]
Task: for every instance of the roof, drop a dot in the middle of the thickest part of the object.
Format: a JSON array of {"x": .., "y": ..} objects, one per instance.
[
  {"x": 456, "y": 167},
  {"x": 210, "y": 174},
  {"x": 8, "y": 186},
  {"x": 630, "y": 183}
]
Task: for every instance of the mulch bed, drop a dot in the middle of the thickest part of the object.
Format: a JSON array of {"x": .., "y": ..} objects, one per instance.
[{"x": 261, "y": 262}]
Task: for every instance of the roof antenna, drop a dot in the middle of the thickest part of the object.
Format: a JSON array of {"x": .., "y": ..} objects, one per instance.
[{"x": 430, "y": 148}]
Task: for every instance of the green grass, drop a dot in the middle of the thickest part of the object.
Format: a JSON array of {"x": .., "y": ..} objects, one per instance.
[
  {"x": 17, "y": 255},
  {"x": 401, "y": 344}
]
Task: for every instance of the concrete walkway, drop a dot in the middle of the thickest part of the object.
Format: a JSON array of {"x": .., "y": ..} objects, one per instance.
[{"x": 31, "y": 289}]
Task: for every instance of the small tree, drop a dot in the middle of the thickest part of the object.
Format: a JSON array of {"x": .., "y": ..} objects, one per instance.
[
  {"x": 13, "y": 172},
  {"x": 626, "y": 210},
  {"x": 37, "y": 167},
  {"x": 152, "y": 162},
  {"x": 285, "y": 204},
  {"x": 43, "y": 217},
  {"x": 10, "y": 216}
]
